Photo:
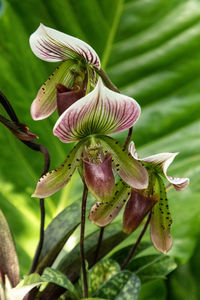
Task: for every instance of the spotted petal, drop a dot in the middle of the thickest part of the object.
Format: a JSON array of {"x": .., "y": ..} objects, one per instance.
[
  {"x": 45, "y": 101},
  {"x": 128, "y": 168},
  {"x": 54, "y": 180},
  {"x": 162, "y": 161},
  {"x": 52, "y": 45},
  {"x": 161, "y": 220},
  {"x": 102, "y": 213},
  {"x": 100, "y": 112}
]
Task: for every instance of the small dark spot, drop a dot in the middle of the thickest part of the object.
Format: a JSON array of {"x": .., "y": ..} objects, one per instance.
[
  {"x": 67, "y": 156},
  {"x": 69, "y": 165},
  {"x": 62, "y": 165},
  {"x": 167, "y": 206},
  {"x": 117, "y": 169},
  {"x": 117, "y": 206},
  {"x": 123, "y": 149},
  {"x": 117, "y": 165},
  {"x": 110, "y": 216},
  {"x": 129, "y": 193},
  {"x": 116, "y": 192},
  {"x": 43, "y": 89},
  {"x": 116, "y": 143},
  {"x": 57, "y": 68},
  {"x": 112, "y": 160},
  {"x": 106, "y": 151},
  {"x": 124, "y": 200},
  {"x": 161, "y": 198},
  {"x": 50, "y": 172},
  {"x": 168, "y": 213},
  {"x": 70, "y": 175},
  {"x": 106, "y": 202},
  {"x": 167, "y": 218}
]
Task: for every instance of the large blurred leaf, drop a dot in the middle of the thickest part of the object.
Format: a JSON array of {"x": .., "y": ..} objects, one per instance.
[{"x": 150, "y": 48}]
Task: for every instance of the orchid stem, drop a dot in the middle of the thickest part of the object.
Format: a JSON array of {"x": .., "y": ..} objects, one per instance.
[
  {"x": 132, "y": 251},
  {"x": 8, "y": 107},
  {"x": 36, "y": 147},
  {"x": 82, "y": 253},
  {"x": 107, "y": 80},
  {"x": 98, "y": 245},
  {"x": 130, "y": 131},
  {"x": 40, "y": 244}
]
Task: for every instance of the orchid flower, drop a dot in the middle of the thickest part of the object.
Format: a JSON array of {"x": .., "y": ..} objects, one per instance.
[
  {"x": 77, "y": 68},
  {"x": 141, "y": 202},
  {"x": 161, "y": 220},
  {"x": 87, "y": 121}
]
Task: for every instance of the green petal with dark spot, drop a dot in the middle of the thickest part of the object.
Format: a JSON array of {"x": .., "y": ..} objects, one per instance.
[
  {"x": 161, "y": 219},
  {"x": 102, "y": 213},
  {"x": 54, "y": 180}
]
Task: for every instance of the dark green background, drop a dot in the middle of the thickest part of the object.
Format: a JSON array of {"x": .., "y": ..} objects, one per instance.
[{"x": 151, "y": 50}]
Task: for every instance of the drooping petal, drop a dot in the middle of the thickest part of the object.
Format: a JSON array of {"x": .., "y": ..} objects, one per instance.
[
  {"x": 102, "y": 213},
  {"x": 45, "y": 101},
  {"x": 54, "y": 180},
  {"x": 136, "y": 209},
  {"x": 128, "y": 168},
  {"x": 52, "y": 45},
  {"x": 99, "y": 178},
  {"x": 100, "y": 112},
  {"x": 161, "y": 220},
  {"x": 162, "y": 161}
]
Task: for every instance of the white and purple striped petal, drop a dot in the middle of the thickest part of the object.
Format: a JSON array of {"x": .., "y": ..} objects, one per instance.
[
  {"x": 163, "y": 160},
  {"x": 52, "y": 45},
  {"x": 100, "y": 112}
]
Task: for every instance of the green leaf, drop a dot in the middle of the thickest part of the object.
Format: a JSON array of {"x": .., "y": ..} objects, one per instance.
[
  {"x": 131, "y": 289},
  {"x": 70, "y": 264},
  {"x": 57, "y": 233},
  {"x": 9, "y": 265},
  {"x": 101, "y": 273},
  {"x": 119, "y": 285},
  {"x": 55, "y": 276},
  {"x": 150, "y": 267}
]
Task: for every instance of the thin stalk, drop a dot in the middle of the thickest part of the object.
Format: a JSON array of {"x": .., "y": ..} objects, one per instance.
[
  {"x": 36, "y": 147},
  {"x": 130, "y": 131},
  {"x": 132, "y": 251},
  {"x": 82, "y": 253},
  {"x": 107, "y": 80},
  {"x": 8, "y": 107},
  {"x": 98, "y": 245},
  {"x": 40, "y": 244}
]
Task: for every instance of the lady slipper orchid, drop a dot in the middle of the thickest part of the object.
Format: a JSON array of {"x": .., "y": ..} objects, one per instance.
[
  {"x": 78, "y": 61},
  {"x": 161, "y": 221},
  {"x": 141, "y": 202},
  {"x": 100, "y": 112}
]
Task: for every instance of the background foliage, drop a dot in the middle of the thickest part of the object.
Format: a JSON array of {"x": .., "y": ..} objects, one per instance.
[{"x": 151, "y": 50}]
